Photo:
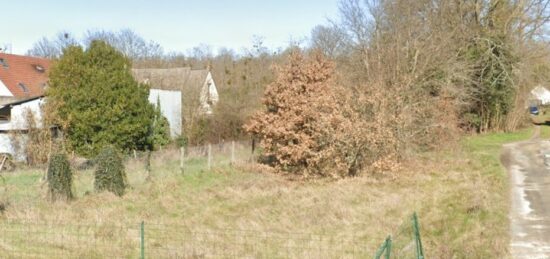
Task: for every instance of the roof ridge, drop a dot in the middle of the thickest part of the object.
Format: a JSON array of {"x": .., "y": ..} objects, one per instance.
[{"x": 24, "y": 56}]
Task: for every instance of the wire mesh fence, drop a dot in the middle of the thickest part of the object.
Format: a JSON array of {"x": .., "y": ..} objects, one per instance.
[
  {"x": 56, "y": 240},
  {"x": 219, "y": 154},
  {"x": 20, "y": 239},
  {"x": 197, "y": 158},
  {"x": 232, "y": 243},
  {"x": 404, "y": 243},
  {"x": 23, "y": 239}
]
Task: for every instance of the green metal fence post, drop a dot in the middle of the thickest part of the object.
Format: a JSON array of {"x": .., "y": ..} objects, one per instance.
[
  {"x": 416, "y": 229},
  {"x": 388, "y": 247},
  {"x": 142, "y": 246},
  {"x": 385, "y": 247}
]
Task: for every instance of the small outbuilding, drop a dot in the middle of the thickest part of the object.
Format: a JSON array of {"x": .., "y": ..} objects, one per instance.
[
  {"x": 539, "y": 96},
  {"x": 179, "y": 91}
]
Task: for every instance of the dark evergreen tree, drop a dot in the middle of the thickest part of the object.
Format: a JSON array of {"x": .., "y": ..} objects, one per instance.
[{"x": 94, "y": 97}]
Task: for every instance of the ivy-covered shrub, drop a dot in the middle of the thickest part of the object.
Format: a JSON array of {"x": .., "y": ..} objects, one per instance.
[
  {"x": 60, "y": 178},
  {"x": 109, "y": 173}
]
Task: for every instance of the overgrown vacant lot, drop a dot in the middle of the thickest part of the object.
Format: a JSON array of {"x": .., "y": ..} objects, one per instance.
[{"x": 460, "y": 195}]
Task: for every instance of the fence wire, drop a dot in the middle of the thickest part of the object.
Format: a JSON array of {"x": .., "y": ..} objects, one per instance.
[
  {"x": 22, "y": 239},
  {"x": 220, "y": 154},
  {"x": 204, "y": 157},
  {"x": 58, "y": 240}
]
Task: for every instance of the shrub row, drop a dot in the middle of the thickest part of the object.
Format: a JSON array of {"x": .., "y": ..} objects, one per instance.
[{"x": 109, "y": 175}]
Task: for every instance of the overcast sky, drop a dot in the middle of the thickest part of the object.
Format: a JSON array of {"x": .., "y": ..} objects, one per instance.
[{"x": 176, "y": 25}]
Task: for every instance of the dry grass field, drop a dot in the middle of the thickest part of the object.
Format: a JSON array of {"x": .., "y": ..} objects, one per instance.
[{"x": 460, "y": 195}]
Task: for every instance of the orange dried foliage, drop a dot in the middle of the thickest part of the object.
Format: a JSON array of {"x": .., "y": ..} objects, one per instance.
[{"x": 310, "y": 128}]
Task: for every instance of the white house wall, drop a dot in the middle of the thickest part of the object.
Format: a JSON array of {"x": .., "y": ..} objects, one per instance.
[
  {"x": 541, "y": 94},
  {"x": 170, "y": 107},
  {"x": 212, "y": 89},
  {"x": 18, "y": 115},
  {"x": 544, "y": 98},
  {"x": 7, "y": 147},
  {"x": 209, "y": 89},
  {"x": 4, "y": 92},
  {"x": 18, "y": 122},
  {"x": 5, "y": 144}
]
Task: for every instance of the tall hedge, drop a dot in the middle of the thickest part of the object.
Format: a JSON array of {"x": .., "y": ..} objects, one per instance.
[
  {"x": 94, "y": 97},
  {"x": 110, "y": 174},
  {"x": 60, "y": 178}
]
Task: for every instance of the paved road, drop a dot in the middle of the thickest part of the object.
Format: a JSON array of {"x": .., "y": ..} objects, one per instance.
[{"x": 530, "y": 197}]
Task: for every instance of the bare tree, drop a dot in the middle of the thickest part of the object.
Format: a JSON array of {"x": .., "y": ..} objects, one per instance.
[
  {"x": 52, "y": 48},
  {"x": 462, "y": 55},
  {"x": 131, "y": 44},
  {"x": 331, "y": 40}
]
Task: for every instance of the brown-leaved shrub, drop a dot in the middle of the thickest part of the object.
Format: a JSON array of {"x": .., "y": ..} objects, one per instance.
[{"x": 309, "y": 128}]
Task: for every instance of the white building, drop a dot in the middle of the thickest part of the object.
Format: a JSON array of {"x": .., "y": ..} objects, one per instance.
[
  {"x": 13, "y": 120},
  {"x": 540, "y": 96},
  {"x": 23, "y": 80},
  {"x": 170, "y": 107},
  {"x": 181, "y": 91}
]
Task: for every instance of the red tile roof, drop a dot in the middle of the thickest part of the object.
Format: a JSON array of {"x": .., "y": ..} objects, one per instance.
[{"x": 31, "y": 72}]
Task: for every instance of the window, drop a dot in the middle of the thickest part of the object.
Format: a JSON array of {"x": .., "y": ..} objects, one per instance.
[
  {"x": 4, "y": 62},
  {"x": 23, "y": 87},
  {"x": 39, "y": 68},
  {"x": 208, "y": 96}
]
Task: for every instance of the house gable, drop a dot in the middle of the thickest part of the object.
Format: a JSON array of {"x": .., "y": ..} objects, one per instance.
[
  {"x": 176, "y": 87},
  {"x": 541, "y": 95},
  {"x": 209, "y": 94},
  {"x": 4, "y": 91},
  {"x": 23, "y": 76}
]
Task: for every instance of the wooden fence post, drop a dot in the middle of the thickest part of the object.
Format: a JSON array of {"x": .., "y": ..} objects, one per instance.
[
  {"x": 209, "y": 156},
  {"x": 182, "y": 157},
  {"x": 232, "y": 152}
]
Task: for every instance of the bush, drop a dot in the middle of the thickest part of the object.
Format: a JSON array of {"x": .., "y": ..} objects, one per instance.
[
  {"x": 4, "y": 199},
  {"x": 182, "y": 141},
  {"x": 60, "y": 178},
  {"x": 109, "y": 173},
  {"x": 308, "y": 128}
]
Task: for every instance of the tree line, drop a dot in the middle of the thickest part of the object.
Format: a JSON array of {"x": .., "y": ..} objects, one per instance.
[{"x": 413, "y": 75}]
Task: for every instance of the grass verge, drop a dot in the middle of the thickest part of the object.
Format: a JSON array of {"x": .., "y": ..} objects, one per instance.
[{"x": 460, "y": 194}]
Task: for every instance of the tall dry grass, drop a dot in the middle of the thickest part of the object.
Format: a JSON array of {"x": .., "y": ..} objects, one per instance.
[{"x": 459, "y": 194}]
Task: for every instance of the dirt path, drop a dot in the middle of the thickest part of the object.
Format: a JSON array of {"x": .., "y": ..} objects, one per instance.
[{"x": 530, "y": 197}]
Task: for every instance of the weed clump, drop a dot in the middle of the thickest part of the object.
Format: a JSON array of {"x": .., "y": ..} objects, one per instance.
[
  {"x": 109, "y": 173},
  {"x": 60, "y": 178},
  {"x": 4, "y": 202}
]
